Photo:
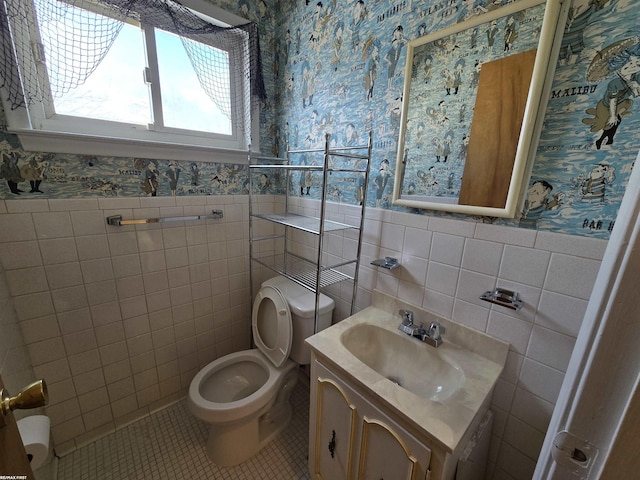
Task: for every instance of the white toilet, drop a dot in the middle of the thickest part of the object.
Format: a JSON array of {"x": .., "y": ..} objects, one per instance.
[{"x": 244, "y": 396}]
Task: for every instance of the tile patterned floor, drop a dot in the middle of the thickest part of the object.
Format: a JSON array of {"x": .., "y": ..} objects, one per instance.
[{"x": 170, "y": 445}]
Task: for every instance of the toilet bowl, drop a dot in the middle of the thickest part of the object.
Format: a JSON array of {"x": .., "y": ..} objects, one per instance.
[{"x": 244, "y": 396}]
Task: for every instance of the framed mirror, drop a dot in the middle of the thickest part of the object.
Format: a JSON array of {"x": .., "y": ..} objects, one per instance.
[{"x": 473, "y": 104}]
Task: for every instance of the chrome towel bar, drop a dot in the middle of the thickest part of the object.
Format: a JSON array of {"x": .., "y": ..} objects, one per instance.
[{"x": 117, "y": 220}]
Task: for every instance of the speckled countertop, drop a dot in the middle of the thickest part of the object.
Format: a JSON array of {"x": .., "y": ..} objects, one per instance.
[{"x": 445, "y": 421}]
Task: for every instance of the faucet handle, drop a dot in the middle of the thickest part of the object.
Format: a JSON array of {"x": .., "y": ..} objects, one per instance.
[
  {"x": 407, "y": 316},
  {"x": 436, "y": 330}
]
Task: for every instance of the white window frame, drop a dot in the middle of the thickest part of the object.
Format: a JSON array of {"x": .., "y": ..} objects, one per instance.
[{"x": 77, "y": 135}]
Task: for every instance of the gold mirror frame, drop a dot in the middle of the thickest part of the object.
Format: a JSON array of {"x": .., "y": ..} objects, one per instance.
[{"x": 552, "y": 28}]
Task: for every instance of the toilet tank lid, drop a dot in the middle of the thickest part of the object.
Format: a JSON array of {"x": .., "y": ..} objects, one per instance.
[{"x": 302, "y": 302}]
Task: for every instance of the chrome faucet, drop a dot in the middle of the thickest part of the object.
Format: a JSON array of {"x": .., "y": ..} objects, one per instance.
[
  {"x": 431, "y": 335},
  {"x": 407, "y": 326}
]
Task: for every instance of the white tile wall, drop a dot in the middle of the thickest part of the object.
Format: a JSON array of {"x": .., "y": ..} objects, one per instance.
[
  {"x": 119, "y": 319},
  {"x": 126, "y": 315},
  {"x": 448, "y": 263}
]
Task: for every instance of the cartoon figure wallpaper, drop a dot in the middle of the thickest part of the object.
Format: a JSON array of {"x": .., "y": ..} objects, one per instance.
[
  {"x": 621, "y": 63},
  {"x": 538, "y": 200},
  {"x": 338, "y": 68}
]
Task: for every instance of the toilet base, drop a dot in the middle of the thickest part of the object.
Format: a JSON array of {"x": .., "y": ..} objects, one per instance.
[{"x": 232, "y": 444}]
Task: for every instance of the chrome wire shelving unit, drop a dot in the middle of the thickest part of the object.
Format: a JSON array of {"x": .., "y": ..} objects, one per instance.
[{"x": 309, "y": 269}]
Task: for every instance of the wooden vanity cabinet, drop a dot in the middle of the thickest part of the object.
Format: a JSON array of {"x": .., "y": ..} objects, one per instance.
[{"x": 351, "y": 438}]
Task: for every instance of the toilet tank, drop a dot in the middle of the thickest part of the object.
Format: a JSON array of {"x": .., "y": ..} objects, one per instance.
[{"x": 302, "y": 304}]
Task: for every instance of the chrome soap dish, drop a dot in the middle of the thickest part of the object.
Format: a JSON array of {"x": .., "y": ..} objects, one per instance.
[
  {"x": 386, "y": 262},
  {"x": 504, "y": 298}
]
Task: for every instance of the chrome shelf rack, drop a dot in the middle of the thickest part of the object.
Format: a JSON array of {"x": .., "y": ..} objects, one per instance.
[{"x": 308, "y": 270}]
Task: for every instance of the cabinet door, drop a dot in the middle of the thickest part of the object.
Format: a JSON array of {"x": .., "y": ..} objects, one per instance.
[
  {"x": 335, "y": 432},
  {"x": 383, "y": 454}
]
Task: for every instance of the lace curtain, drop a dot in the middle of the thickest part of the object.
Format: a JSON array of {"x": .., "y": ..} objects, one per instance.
[{"x": 79, "y": 42}]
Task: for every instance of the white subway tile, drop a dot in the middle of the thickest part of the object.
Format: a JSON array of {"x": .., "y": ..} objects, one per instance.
[
  {"x": 105, "y": 313},
  {"x": 74, "y": 321},
  {"x": 571, "y": 244},
  {"x": 532, "y": 409},
  {"x": 515, "y": 332},
  {"x": 33, "y": 305},
  {"x": 447, "y": 249},
  {"x": 118, "y": 203},
  {"x": 101, "y": 292},
  {"x": 52, "y": 372},
  {"x": 24, "y": 254},
  {"x": 551, "y": 348},
  {"x": 85, "y": 361},
  {"x": 178, "y": 257},
  {"x": 110, "y": 333},
  {"x": 438, "y": 303},
  {"x": 92, "y": 246},
  {"x": 417, "y": 242},
  {"x": 472, "y": 284},
  {"x": 153, "y": 261},
  {"x": 64, "y": 204},
  {"x": 70, "y": 298},
  {"x": 505, "y": 235},
  {"x": 561, "y": 313},
  {"x": 64, "y": 275},
  {"x": 411, "y": 293},
  {"x": 524, "y": 437},
  {"x": 126, "y": 265},
  {"x": 571, "y": 275},
  {"x": 463, "y": 228},
  {"x": 53, "y": 225},
  {"x": 471, "y": 315},
  {"x": 482, "y": 256},
  {"x": 174, "y": 237},
  {"x": 442, "y": 278},
  {"x": 58, "y": 250},
  {"x": 150, "y": 240},
  {"x": 503, "y": 394},
  {"x": 516, "y": 463},
  {"x": 88, "y": 223},
  {"x": 128, "y": 287},
  {"x": 24, "y": 206},
  {"x": 46, "y": 351},
  {"x": 540, "y": 380},
  {"x": 414, "y": 270},
  {"x": 37, "y": 329},
  {"x": 17, "y": 227},
  {"x": 133, "y": 307},
  {"x": 123, "y": 243},
  {"x": 158, "y": 300},
  {"x": 524, "y": 265},
  {"x": 79, "y": 342},
  {"x": 26, "y": 281},
  {"x": 114, "y": 352},
  {"x": 136, "y": 326}
]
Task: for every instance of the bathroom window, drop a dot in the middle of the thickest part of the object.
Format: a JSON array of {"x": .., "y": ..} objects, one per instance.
[{"x": 93, "y": 79}]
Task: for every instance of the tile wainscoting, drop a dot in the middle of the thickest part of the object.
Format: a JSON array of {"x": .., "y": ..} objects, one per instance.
[{"x": 119, "y": 319}]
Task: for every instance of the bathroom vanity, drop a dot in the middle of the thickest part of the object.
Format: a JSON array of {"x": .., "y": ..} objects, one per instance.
[{"x": 385, "y": 405}]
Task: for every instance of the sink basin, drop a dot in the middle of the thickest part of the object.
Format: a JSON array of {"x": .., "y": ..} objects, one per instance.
[{"x": 415, "y": 366}]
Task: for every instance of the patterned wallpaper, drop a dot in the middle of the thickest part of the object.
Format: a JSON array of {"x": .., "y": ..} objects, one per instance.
[
  {"x": 337, "y": 67},
  {"x": 342, "y": 68}
]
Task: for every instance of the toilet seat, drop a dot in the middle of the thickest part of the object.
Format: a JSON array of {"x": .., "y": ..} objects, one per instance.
[{"x": 271, "y": 325}]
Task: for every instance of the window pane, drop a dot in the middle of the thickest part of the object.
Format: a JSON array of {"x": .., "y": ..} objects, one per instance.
[
  {"x": 116, "y": 90},
  {"x": 185, "y": 104}
]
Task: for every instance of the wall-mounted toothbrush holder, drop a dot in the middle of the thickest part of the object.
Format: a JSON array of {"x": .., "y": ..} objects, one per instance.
[
  {"x": 386, "y": 262},
  {"x": 504, "y": 298}
]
